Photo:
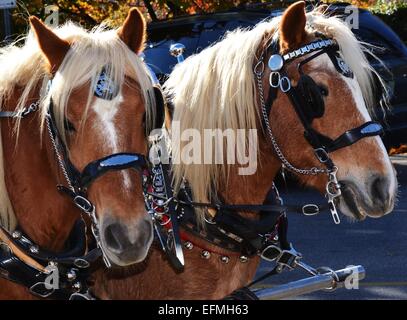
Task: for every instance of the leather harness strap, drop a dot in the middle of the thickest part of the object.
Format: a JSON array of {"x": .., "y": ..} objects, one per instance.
[{"x": 5, "y": 238}]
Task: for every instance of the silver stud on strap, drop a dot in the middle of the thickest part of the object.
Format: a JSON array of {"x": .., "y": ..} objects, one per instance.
[
  {"x": 34, "y": 249},
  {"x": 17, "y": 235},
  {"x": 188, "y": 245},
  {"x": 71, "y": 275},
  {"x": 243, "y": 259},
  {"x": 224, "y": 259},
  {"x": 77, "y": 286},
  {"x": 205, "y": 254}
]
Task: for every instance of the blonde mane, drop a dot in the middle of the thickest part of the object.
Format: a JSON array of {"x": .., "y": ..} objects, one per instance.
[
  {"x": 25, "y": 67},
  {"x": 216, "y": 89}
]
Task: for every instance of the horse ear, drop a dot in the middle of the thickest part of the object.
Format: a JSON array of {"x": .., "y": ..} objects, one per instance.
[
  {"x": 292, "y": 27},
  {"x": 133, "y": 32},
  {"x": 53, "y": 47}
]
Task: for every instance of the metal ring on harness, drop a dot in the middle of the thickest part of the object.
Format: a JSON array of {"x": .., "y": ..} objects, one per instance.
[
  {"x": 310, "y": 210},
  {"x": 83, "y": 204}
]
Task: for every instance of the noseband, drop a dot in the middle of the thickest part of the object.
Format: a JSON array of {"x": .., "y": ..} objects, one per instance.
[{"x": 308, "y": 104}]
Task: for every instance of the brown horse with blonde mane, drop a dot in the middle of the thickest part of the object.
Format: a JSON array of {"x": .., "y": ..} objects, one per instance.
[
  {"x": 231, "y": 86},
  {"x": 89, "y": 98}
]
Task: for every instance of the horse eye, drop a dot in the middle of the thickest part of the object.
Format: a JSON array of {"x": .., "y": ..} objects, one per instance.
[
  {"x": 69, "y": 127},
  {"x": 323, "y": 90}
]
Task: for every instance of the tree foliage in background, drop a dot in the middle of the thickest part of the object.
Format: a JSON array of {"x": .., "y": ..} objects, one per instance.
[
  {"x": 392, "y": 12},
  {"x": 113, "y": 12}
]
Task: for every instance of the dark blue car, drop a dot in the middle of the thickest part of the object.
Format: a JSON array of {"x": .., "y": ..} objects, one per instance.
[{"x": 199, "y": 31}]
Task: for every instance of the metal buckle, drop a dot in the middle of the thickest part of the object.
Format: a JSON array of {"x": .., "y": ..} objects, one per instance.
[
  {"x": 275, "y": 79},
  {"x": 43, "y": 293},
  {"x": 322, "y": 155},
  {"x": 83, "y": 204},
  {"x": 288, "y": 258},
  {"x": 310, "y": 210},
  {"x": 81, "y": 263},
  {"x": 333, "y": 274},
  {"x": 285, "y": 84},
  {"x": 333, "y": 191},
  {"x": 259, "y": 68},
  {"x": 278, "y": 250}
]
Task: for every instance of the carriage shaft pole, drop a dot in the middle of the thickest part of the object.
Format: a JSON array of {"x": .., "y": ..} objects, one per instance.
[{"x": 311, "y": 284}]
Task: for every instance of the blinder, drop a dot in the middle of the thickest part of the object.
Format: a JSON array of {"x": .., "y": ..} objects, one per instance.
[
  {"x": 159, "y": 108},
  {"x": 312, "y": 99},
  {"x": 105, "y": 88}
]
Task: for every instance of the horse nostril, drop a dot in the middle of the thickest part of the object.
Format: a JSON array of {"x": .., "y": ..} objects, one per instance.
[
  {"x": 116, "y": 237},
  {"x": 380, "y": 190}
]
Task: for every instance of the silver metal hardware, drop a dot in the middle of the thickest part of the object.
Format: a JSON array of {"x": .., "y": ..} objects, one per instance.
[
  {"x": 310, "y": 210},
  {"x": 71, "y": 275},
  {"x": 77, "y": 286},
  {"x": 34, "y": 249},
  {"x": 83, "y": 204},
  {"x": 95, "y": 232},
  {"x": 205, "y": 254},
  {"x": 224, "y": 259},
  {"x": 333, "y": 274},
  {"x": 276, "y": 62},
  {"x": 308, "y": 285},
  {"x": 45, "y": 294},
  {"x": 306, "y": 267},
  {"x": 177, "y": 50},
  {"x": 278, "y": 252},
  {"x": 33, "y": 107},
  {"x": 243, "y": 259},
  {"x": 308, "y": 49},
  {"x": 17, "y": 235},
  {"x": 275, "y": 79},
  {"x": 333, "y": 191},
  {"x": 58, "y": 154},
  {"x": 321, "y": 155},
  {"x": 209, "y": 220},
  {"x": 285, "y": 84},
  {"x": 81, "y": 263},
  {"x": 81, "y": 296},
  {"x": 188, "y": 245},
  {"x": 259, "y": 68}
]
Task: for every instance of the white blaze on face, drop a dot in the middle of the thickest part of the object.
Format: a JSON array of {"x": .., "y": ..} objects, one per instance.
[
  {"x": 106, "y": 111},
  {"x": 354, "y": 88},
  {"x": 359, "y": 176}
]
